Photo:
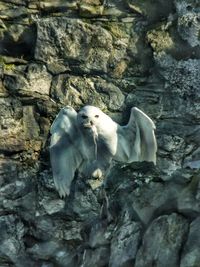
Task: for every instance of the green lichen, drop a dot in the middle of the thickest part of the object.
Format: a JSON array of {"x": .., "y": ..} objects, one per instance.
[
  {"x": 160, "y": 40},
  {"x": 118, "y": 30},
  {"x": 6, "y": 66}
]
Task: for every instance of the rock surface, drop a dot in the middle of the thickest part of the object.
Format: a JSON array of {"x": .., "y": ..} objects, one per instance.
[{"x": 115, "y": 55}]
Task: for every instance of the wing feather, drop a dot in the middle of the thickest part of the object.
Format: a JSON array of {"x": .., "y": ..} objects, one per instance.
[
  {"x": 64, "y": 153},
  {"x": 145, "y": 129}
]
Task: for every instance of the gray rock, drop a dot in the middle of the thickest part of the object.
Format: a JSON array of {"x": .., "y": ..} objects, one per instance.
[
  {"x": 151, "y": 11},
  {"x": 78, "y": 91},
  {"x": 154, "y": 198},
  {"x": 188, "y": 22},
  {"x": 100, "y": 234},
  {"x": 83, "y": 202},
  {"x": 194, "y": 164},
  {"x": 190, "y": 256},
  {"x": 31, "y": 127},
  {"x": 189, "y": 26},
  {"x": 72, "y": 44},
  {"x": 124, "y": 244},
  {"x": 45, "y": 250},
  {"x": 181, "y": 76},
  {"x": 98, "y": 257},
  {"x": 12, "y": 231},
  {"x": 29, "y": 81},
  {"x": 189, "y": 198},
  {"x": 162, "y": 242},
  {"x": 65, "y": 258},
  {"x": 52, "y": 206}
]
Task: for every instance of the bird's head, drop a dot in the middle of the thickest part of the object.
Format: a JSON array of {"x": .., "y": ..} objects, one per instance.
[{"x": 89, "y": 117}]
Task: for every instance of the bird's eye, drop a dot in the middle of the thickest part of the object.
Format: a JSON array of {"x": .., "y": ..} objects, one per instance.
[
  {"x": 96, "y": 116},
  {"x": 84, "y": 116}
]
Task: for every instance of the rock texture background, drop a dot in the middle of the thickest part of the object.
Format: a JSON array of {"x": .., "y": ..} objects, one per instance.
[{"x": 113, "y": 54}]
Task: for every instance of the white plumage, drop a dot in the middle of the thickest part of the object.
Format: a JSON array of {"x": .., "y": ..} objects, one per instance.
[{"x": 89, "y": 140}]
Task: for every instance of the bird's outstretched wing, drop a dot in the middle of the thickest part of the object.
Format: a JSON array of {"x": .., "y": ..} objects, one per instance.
[
  {"x": 144, "y": 134},
  {"x": 64, "y": 149}
]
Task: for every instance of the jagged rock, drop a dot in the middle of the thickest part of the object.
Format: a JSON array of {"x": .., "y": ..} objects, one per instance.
[
  {"x": 104, "y": 49},
  {"x": 91, "y": 8},
  {"x": 53, "y": 251},
  {"x": 189, "y": 198},
  {"x": 33, "y": 79},
  {"x": 77, "y": 91},
  {"x": 12, "y": 231},
  {"x": 11, "y": 13},
  {"x": 124, "y": 244},
  {"x": 100, "y": 234},
  {"x": 188, "y": 22},
  {"x": 151, "y": 11},
  {"x": 162, "y": 242},
  {"x": 70, "y": 48},
  {"x": 190, "y": 256},
  {"x": 161, "y": 196},
  {"x": 182, "y": 75},
  {"x": 98, "y": 257},
  {"x": 60, "y": 228},
  {"x": 45, "y": 250},
  {"x": 83, "y": 202},
  {"x": 31, "y": 127},
  {"x": 52, "y": 206},
  {"x": 17, "y": 39}
]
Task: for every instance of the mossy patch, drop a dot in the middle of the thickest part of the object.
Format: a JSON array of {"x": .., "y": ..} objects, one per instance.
[
  {"x": 160, "y": 40},
  {"x": 118, "y": 30},
  {"x": 6, "y": 66}
]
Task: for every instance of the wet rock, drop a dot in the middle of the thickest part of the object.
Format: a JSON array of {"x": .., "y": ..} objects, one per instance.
[
  {"x": 190, "y": 256},
  {"x": 162, "y": 242}
]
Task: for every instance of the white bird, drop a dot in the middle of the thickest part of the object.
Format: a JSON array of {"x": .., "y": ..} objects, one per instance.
[{"x": 89, "y": 140}]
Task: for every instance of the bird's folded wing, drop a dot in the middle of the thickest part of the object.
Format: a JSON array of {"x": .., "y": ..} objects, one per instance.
[
  {"x": 145, "y": 128},
  {"x": 64, "y": 153}
]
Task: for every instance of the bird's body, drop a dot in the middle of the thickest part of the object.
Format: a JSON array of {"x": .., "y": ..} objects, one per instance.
[{"x": 89, "y": 140}]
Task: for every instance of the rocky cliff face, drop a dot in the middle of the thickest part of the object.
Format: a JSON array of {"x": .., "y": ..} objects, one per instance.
[{"x": 115, "y": 55}]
